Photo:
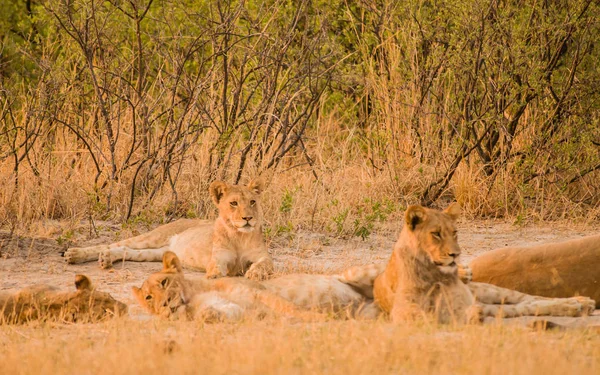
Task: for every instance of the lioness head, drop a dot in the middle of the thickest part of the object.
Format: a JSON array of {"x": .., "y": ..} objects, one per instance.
[
  {"x": 42, "y": 302},
  {"x": 164, "y": 293},
  {"x": 435, "y": 234},
  {"x": 87, "y": 303},
  {"x": 239, "y": 206}
]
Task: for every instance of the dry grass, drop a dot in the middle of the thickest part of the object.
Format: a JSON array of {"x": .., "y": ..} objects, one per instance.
[
  {"x": 347, "y": 194},
  {"x": 277, "y": 347}
]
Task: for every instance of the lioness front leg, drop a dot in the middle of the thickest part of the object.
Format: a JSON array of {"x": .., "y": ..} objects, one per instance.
[
  {"x": 282, "y": 306},
  {"x": 495, "y": 295},
  {"x": 221, "y": 262},
  {"x": 75, "y": 255},
  {"x": 260, "y": 270},
  {"x": 405, "y": 309}
]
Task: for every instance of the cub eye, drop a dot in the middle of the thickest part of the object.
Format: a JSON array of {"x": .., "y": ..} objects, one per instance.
[
  {"x": 252, "y": 202},
  {"x": 436, "y": 235},
  {"x": 148, "y": 297},
  {"x": 233, "y": 204}
]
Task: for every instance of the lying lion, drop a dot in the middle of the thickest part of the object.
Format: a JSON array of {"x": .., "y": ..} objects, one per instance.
[
  {"x": 45, "y": 303},
  {"x": 170, "y": 294},
  {"x": 563, "y": 269},
  {"x": 232, "y": 245},
  {"x": 421, "y": 279}
]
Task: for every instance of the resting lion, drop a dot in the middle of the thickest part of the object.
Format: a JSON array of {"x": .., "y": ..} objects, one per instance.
[
  {"x": 45, "y": 303},
  {"x": 421, "y": 279},
  {"x": 232, "y": 245},
  {"x": 563, "y": 269},
  {"x": 170, "y": 294}
]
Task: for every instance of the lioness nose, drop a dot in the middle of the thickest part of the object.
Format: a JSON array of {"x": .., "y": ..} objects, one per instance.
[
  {"x": 247, "y": 218},
  {"x": 455, "y": 253}
]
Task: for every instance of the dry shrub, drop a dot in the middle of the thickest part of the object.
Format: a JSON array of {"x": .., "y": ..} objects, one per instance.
[{"x": 350, "y": 111}]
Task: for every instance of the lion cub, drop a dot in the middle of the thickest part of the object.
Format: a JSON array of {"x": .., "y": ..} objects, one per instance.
[
  {"x": 232, "y": 245},
  {"x": 421, "y": 279},
  {"x": 45, "y": 303},
  {"x": 170, "y": 294}
]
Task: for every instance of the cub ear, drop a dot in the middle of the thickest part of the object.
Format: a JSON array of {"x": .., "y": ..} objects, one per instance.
[
  {"x": 414, "y": 216},
  {"x": 217, "y": 189},
  {"x": 171, "y": 262},
  {"x": 257, "y": 185},
  {"x": 82, "y": 282},
  {"x": 454, "y": 211}
]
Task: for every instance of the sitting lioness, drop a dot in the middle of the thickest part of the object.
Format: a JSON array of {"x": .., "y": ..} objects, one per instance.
[
  {"x": 421, "y": 279},
  {"x": 232, "y": 245},
  {"x": 170, "y": 294},
  {"x": 45, "y": 303}
]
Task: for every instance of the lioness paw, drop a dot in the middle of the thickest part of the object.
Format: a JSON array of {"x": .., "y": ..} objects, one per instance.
[
  {"x": 465, "y": 273},
  {"x": 210, "y": 315},
  {"x": 588, "y": 305},
  {"x": 105, "y": 260},
  {"x": 257, "y": 274},
  {"x": 74, "y": 255},
  {"x": 213, "y": 272},
  {"x": 474, "y": 314},
  {"x": 564, "y": 307}
]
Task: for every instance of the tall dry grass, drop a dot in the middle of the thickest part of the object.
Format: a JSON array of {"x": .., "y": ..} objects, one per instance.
[
  {"x": 131, "y": 347},
  {"x": 349, "y": 112}
]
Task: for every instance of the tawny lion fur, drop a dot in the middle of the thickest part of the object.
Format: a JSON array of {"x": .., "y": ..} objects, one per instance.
[
  {"x": 563, "y": 269},
  {"x": 232, "y": 245},
  {"x": 45, "y": 303},
  {"x": 170, "y": 294},
  {"x": 421, "y": 279}
]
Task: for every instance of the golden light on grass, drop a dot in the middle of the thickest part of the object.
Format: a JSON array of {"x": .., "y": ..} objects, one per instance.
[{"x": 280, "y": 347}]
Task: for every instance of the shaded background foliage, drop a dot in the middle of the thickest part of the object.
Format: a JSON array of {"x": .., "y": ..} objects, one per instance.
[{"x": 126, "y": 109}]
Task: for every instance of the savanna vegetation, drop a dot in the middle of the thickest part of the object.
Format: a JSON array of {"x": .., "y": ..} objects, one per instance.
[{"x": 126, "y": 110}]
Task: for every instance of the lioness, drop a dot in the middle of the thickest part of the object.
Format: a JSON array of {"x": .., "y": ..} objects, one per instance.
[
  {"x": 421, "y": 278},
  {"x": 232, "y": 245},
  {"x": 170, "y": 294},
  {"x": 45, "y": 303},
  {"x": 562, "y": 269}
]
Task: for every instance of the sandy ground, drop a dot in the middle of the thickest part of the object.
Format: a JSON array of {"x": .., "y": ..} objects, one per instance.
[{"x": 26, "y": 261}]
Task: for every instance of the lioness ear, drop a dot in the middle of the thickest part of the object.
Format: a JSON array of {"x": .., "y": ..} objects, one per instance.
[
  {"x": 453, "y": 211},
  {"x": 82, "y": 282},
  {"x": 217, "y": 189},
  {"x": 414, "y": 216},
  {"x": 171, "y": 262},
  {"x": 257, "y": 185},
  {"x": 164, "y": 282}
]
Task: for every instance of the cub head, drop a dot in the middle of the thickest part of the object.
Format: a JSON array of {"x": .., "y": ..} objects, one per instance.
[
  {"x": 164, "y": 292},
  {"x": 239, "y": 206},
  {"x": 435, "y": 234},
  {"x": 87, "y": 304}
]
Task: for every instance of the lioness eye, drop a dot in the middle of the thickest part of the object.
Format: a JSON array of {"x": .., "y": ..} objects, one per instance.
[
  {"x": 233, "y": 204},
  {"x": 436, "y": 234},
  {"x": 148, "y": 297},
  {"x": 252, "y": 203}
]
